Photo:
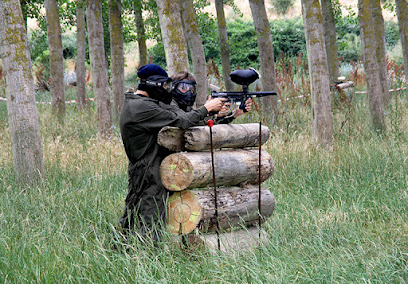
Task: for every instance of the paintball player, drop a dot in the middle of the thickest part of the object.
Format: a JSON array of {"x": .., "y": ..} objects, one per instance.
[
  {"x": 141, "y": 119},
  {"x": 184, "y": 95}
]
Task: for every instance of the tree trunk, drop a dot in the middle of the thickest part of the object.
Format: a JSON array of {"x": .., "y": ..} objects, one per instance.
[
  {"x": 225, "y": 53},
  {"x": 320, "y": 83},
  {"x": 266, "y": 56},
  {"x": 175, "y": 44},
  {"x": 237, "y": 208},
  {"x": 195, "y": 43},
  {"x": 117, "y": 56},
  {"x": 81, "y": 54},
  {"x": 188, "y": 170},
  {"x": 98, "y": 66},
  {"x": 330, "y": 39},
  {"x": 224, "y": 136},
  {"x": 56, "y": 59},
  {"x": 381, "y": 54},
  {"x": 402, "y": 14},
  {"x": 19, "y": 87},
  {"x": 141, "y": 35},
  {"x": 368, "y": 44}
]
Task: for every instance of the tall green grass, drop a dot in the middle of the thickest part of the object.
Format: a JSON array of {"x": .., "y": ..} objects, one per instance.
[{"x": 340, "y": 216}]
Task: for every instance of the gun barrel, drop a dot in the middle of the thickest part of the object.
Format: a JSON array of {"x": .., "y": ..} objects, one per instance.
[
  {"x": 215, "y": 94},
  {"x": 262, "y": 94}
]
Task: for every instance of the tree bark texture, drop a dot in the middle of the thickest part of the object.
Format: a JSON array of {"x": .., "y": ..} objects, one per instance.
[
  {"x": 223, "y": 37},
  {"x": 174, "y": 41},
  {"x": 189, "y": 170},
  {"x": 266, "y": 56},
  {"x": 117, "y": 55},
  {"x": 56, "y": 58},
  {"x": 237, "y": 208},
  {"x": 379, "y": 36},
  {"x": 368, "y": 44},
  {"x": 81, "y": 54},
  {"x": 402, "y": 14},
  {"x": 224, "y": 136},
  {"x": 19, "y": 87},
  {"x": 330, "y": 39},
  {"x": 99, "y": 69},
  {"x": 320, "y": 83},
  {"x": 195, "y": 44},
  {"x": 141, "y": 34}
]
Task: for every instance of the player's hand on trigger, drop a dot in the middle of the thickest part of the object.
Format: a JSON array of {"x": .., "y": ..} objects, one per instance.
[{"x": 214, "y": 105}]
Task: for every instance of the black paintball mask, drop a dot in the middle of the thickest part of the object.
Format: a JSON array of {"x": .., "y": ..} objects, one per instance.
[
  {"x": 184, "y": 93},
  {"x": 158, "y": 87}
]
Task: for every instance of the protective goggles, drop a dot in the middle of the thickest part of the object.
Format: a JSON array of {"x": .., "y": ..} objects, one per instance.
[
  {"x": 165, "y": 83},
  {"x": 185, "y": 86}
]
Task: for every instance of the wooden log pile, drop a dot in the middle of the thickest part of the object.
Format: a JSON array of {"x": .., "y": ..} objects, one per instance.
[{"x": 188, "y": 174}]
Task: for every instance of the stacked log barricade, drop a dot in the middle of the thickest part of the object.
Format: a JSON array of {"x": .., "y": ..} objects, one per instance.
[{"x": 187, "y": 173}]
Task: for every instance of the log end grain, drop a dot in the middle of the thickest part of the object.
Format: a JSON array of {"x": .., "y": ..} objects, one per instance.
[
  {"x": 176, "y": 172},
  {"x": 184, "y": 212}
]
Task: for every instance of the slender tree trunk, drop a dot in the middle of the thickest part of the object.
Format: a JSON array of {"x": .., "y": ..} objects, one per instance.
[
  {"x": 99, "y": 70},
  {"x": 81, "y": 54},
  {"x": 195, "y": 43},
  {"x": 141, "y": 35},
  {"x": 266, "y": 57},
  {"x": 330, "y": 39},
  {"x": 402, "y": 14},
  {"x": 379, "y": 36},
  {"x": 368, "y": 44},
  {"x": 225, "y": 53},
  {"x": 117, "y": 56},
  {"x": 320, "y": 84},
  {"x": 175, "y": 44},
  {"x": 56, "y": 58},
  {"x": 19, "y": 86}
]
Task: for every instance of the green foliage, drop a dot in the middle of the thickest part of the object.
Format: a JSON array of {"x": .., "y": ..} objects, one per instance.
[
  {"x": 349, "y": 47},
  {"x": 157, "y": 53},
  {"x": 69, "y": 43},
  {"x": 282, "y": 6},
  {"x": 336, "y": 9},
  {"x": 209, "y": 35},
  {"x": 243, "y": 44},
  {"x": 234, "y": 7},
  {"x": 288, "y": 37},
  {"x": 348, "y": 37},
  {"x": 390, "y": 6},
  {"x": 38, "y": 45},
  {"x": 392, "y": 35}
]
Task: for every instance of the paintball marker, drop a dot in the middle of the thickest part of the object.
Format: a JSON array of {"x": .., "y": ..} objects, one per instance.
[{"x": 243, "y": 78}]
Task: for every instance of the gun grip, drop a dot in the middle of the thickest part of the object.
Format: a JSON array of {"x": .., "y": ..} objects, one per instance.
[{"x": 242, "y": 106}]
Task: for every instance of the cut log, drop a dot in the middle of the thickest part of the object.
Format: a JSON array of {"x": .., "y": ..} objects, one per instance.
[
  {"x": 172, "y": 138},
  {"x": 183, "y": 212},
  {"x": 189, "y": 170},
  {"x": 224, "y": 136},
  {"x": 345, "y": 85},
  {"x": 237, "y": 208}
]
